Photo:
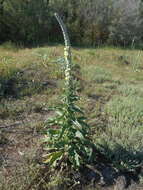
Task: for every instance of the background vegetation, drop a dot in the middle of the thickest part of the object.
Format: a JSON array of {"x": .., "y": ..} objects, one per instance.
[{"x": 90, "y": 22}]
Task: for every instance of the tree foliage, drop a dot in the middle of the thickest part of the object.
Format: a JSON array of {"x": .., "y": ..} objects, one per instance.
[{"x": 90, "y": 22}]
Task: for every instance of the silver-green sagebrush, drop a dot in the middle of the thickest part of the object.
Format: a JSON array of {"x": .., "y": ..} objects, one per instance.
[{"x": 67, "y": 134}]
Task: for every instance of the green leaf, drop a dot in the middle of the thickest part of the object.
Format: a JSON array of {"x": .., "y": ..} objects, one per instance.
[
  {"x": 77, "y": 159},
  {"x": 88, "y": 142},
  {"x": 53, "y": 131},
  {"x": 74, "y": 98},
  {"x": 81, "y": 118},
  {"x": 76, "y": 123},
  {"x": 79, "y": 135},
  {"x": 62, "y": 143},
  {"x": 60, "y": 113},
  {"x": 77, "y": 109},
  {"x": 52, "y": 157},
  {"x": 56, "y": 156},
  {"x": 49, "y": 149},
  {"x": 89, "y": 152},
  {"x": 50, "y": 121},
  {"x": 83, "y": 123},
  {"x": 45, "y": 139},
  {"x": 64, "y": 127}
]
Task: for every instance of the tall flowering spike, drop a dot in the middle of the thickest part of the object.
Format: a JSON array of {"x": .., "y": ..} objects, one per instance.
[
  {"x": 64, "y": 30},
  {"x": 67, "y": 52},
  {"x": 71, "y": 127}
]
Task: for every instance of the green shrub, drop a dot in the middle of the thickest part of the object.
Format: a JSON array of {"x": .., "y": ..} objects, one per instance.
[
  {"x": 130, "y": 89},
  {"x": 14, "y": 82},
  {"x": 123, "y": 138},
  {"x": 9, "y": 75},
  {"x": 9, "y": 46},
  {"x": 96, "y": 74},
  {"x": 127, "y": 89}
]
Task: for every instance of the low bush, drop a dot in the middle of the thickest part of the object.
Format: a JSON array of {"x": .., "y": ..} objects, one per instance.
[
  {"x": 97, "y": 74},
  {"x": 123, "y": 138}
]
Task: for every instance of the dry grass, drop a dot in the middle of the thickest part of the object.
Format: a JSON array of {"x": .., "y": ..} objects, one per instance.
[{"x": 35, "y": 82}]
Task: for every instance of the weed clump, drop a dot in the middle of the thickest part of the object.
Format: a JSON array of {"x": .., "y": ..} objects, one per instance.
[{"x": 67, "y": 140}]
